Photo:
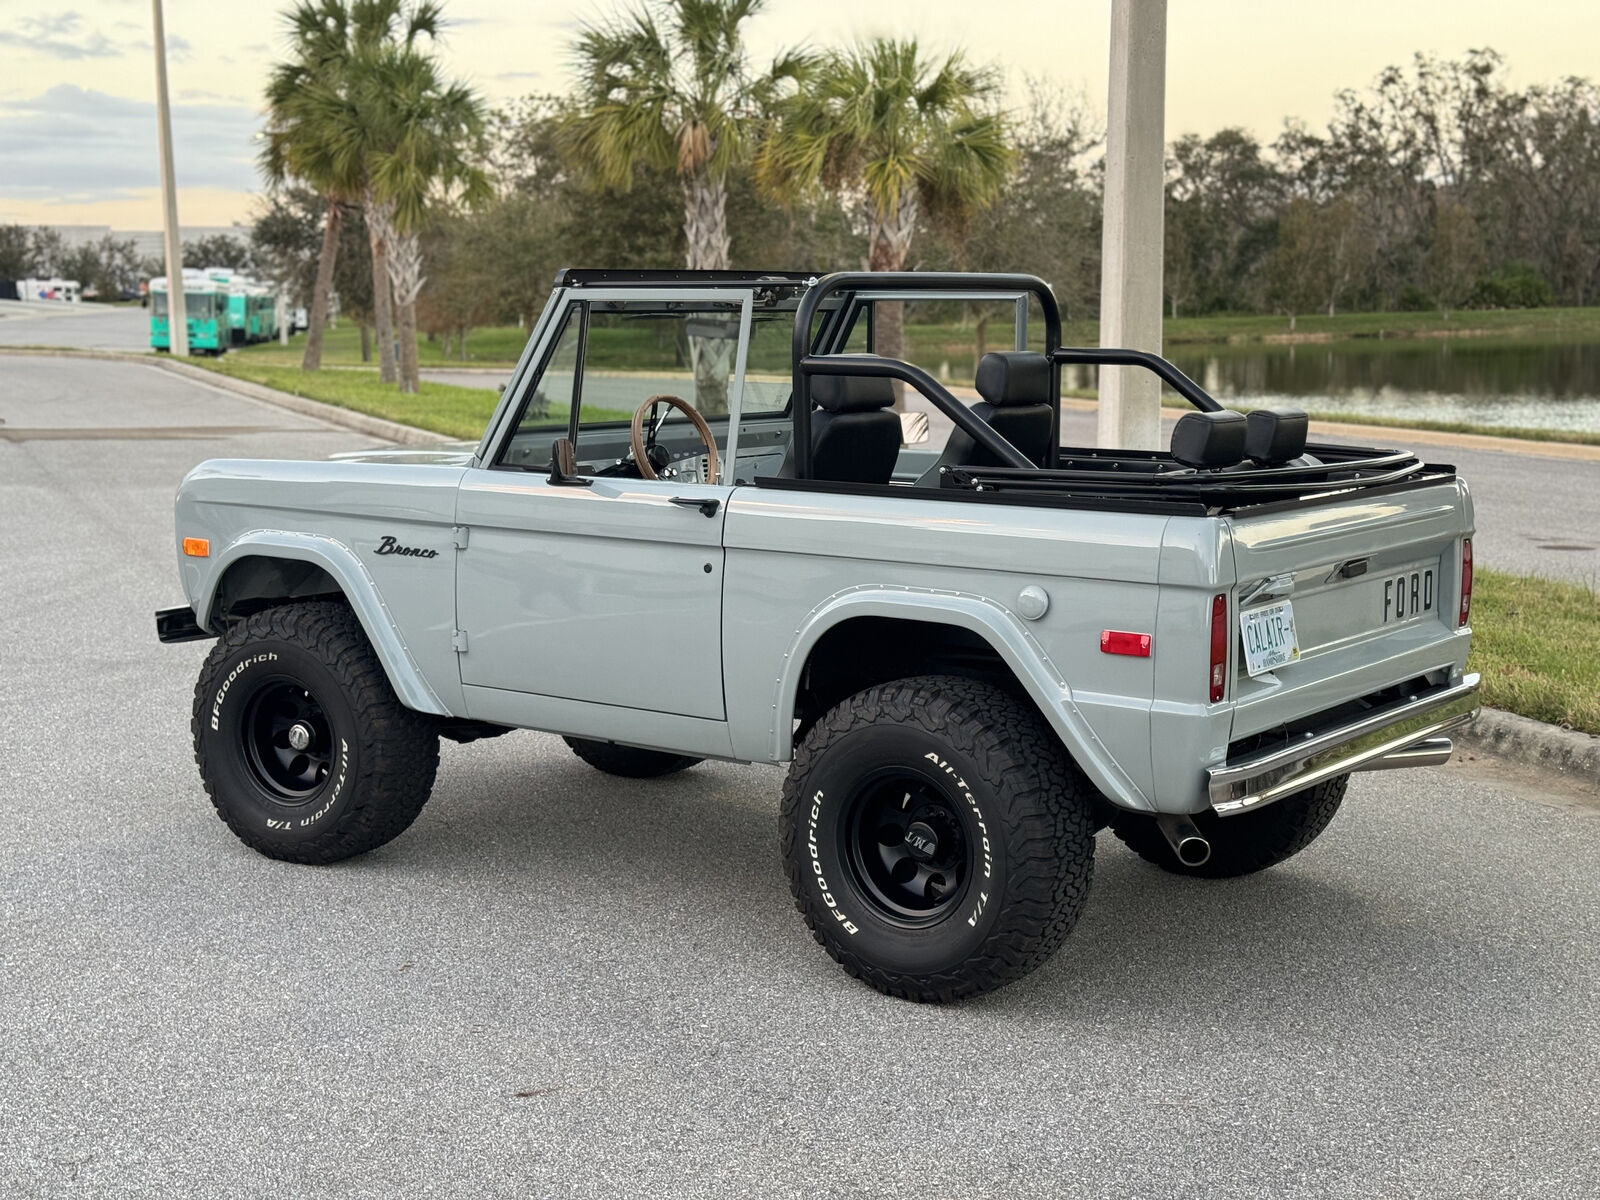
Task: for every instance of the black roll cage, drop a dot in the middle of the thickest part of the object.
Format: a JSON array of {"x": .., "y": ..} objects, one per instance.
[
  {"x": 807, "y": 363},
  {"x": 821, "y": 356}
]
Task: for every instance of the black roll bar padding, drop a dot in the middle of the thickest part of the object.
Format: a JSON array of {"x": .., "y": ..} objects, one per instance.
[
  {"x": 1106, "y": 356},
  {"x": 912, "y": 282},
  {"x": 978, "y": 430}
]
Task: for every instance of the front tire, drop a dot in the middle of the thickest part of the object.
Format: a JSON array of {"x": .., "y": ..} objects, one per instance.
[
  {"x": 1245, "y": 844},
  {"x": 938, "y": 838},
  {"x": 303, "y": 747}
]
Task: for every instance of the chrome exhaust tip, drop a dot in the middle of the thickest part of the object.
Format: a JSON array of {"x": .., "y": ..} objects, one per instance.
[{"x": 1187, "y": 842}]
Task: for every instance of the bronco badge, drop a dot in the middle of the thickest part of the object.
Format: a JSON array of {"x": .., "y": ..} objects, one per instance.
[{"x": 390, "y": 546}]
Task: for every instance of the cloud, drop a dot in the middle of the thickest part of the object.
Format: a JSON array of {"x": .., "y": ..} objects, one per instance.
[
  {"x": 75, "y": 145},
  {"x": 57, "y": 36}
]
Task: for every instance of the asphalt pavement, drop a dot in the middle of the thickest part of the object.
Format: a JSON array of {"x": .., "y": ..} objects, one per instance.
[
  {"x": 559, "y": 984},
  {"x": 81, "y": 326}
]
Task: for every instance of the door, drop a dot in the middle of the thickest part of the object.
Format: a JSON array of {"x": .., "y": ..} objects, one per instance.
[{"x": 608, "y": 589}]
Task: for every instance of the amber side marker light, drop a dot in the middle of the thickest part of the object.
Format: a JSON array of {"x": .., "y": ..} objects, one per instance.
[{"x": 197, "y": 547}]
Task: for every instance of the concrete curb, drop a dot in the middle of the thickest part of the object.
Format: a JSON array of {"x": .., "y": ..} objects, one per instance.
[
  {"x": 332, "y": 414},
  {"x": 1534, "y": 744}
]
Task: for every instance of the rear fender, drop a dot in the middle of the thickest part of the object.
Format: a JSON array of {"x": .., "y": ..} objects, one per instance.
[
  {"x": 1004, "y": 633},
  {"x": 346, "y": 569}
]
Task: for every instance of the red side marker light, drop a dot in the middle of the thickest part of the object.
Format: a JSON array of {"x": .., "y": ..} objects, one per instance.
[{"x": 1113, "y": 641}]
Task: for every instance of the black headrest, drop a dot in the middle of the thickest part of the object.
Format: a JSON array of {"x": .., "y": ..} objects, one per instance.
[
  {"x": 1209, "y": 440},
  {"x": 1275, "y": 435},
  {"x": 852, "y": 393},
  {"x": 1014, "y": 377}
]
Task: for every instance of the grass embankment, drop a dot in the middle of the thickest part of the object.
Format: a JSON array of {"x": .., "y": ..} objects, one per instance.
[
  {"x": 461, "y": 412},
  {"x": 1537, "y": 644}
]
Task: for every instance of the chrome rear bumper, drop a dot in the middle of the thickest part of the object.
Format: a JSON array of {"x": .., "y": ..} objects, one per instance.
[{"x": 1405, "y": 734}]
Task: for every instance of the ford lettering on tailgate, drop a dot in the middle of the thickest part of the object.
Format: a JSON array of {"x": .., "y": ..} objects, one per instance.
[{"x": 1408, "y": 594}]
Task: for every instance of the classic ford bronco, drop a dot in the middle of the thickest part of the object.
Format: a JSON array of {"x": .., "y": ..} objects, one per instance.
[{"x": 693, "y": 530}]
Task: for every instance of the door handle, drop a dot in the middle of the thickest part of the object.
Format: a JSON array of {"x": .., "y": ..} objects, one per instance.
[{"x": 708, "y": 505}]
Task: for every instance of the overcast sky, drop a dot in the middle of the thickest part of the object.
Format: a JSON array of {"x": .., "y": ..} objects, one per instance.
[{"x": 77, "y": 117}]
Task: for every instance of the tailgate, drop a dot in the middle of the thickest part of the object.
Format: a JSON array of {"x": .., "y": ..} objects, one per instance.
[{"x": 1371, "y": 588}]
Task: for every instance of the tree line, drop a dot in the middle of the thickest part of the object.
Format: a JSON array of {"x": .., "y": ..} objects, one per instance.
[{"x": 1440, "y": 186}]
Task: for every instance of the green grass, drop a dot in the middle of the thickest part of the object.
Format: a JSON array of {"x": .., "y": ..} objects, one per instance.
[
  {"x": 1537, "y": 644},
  {"x": 460, "y": 412},
  {"x": 492, "y": 346}
]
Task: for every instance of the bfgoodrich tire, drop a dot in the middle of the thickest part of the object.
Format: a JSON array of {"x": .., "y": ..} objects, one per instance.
[
  {"x": 302, "y": 745},
  {"x": 938, "y": 838},
  {"x": 628, "y": 761},
  {"x": 1241, "y": 845}
]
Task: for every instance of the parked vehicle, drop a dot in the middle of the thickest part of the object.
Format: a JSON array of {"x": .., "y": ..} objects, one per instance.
[
  {"x": 692, "y": 530},
  {"x": 57, "y": 290},
  {"x": 205, "y": 305}
]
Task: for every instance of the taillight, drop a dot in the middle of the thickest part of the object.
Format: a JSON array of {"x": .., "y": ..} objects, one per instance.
[
  {"x": 1466, "y": 582},
  {"x": 1219, "y": 647}
]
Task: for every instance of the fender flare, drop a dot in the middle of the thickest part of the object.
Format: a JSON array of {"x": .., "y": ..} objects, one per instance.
[
  {"x": 996, "y": 625},
  {"x": 347, "y": 570}
]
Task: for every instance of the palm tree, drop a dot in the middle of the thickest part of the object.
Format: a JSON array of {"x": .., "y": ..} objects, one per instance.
[
  {"x": 909, "y": 138},
  {"x": 420, "y": 139},
  {"x": 307, "y": 136},
  {"x": 668, "y": 86}
]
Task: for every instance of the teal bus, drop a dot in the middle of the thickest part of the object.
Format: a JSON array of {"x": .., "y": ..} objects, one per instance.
[
  {"x": 205, "y": 308},
  {"x": 252, "y": 307}
]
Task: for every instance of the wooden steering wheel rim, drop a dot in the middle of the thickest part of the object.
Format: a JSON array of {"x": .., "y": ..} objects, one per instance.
[{"x": 639, "y": 458}]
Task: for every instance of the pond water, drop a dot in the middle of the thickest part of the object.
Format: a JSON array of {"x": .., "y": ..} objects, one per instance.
[{"x": 1542, "y": 385}]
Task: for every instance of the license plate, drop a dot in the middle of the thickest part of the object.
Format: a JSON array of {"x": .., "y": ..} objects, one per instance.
[{"x": 1269, "y": 637}]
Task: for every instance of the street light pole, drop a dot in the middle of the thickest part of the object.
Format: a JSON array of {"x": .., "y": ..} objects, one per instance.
[
  {"x": 177, "y": 316},
  {"x": 1130, "y": 255}
]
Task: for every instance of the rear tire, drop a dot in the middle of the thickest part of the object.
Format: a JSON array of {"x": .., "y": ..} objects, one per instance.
[
  {"x": 938, "y": 838},
  {"x": 629, "y": 761},
  {"x": 303, "y": 747},
  {"x": 1241, "y": 845}
]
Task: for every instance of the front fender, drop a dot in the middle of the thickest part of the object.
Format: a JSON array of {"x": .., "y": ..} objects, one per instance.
[
  {"x": 339, "y": 561},
  {"x": 1006, "y": 635}
]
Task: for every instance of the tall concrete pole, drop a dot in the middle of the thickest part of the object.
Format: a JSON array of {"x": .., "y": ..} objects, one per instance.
[
  {"x": 177, "y": 317},
  {"x": 1130, "y": 273}
]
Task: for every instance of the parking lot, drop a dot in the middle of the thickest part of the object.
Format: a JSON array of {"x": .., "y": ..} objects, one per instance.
[{"x": 560, "y": 984}]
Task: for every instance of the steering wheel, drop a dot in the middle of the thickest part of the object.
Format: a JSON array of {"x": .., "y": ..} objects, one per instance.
[{"x": 643, "y": 443}]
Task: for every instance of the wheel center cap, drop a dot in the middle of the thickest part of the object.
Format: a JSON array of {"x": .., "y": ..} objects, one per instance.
[
  {"x": 299, "y": 736},
  {"x": 921, "y": 840}
]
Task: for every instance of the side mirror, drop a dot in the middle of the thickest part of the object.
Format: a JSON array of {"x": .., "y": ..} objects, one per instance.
[{"x": 564, "y": 465}]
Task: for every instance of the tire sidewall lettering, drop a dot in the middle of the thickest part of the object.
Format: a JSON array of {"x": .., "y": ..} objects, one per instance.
[
  {"x": 837, "y": 900},
  {"x": 235, "y": 680}
]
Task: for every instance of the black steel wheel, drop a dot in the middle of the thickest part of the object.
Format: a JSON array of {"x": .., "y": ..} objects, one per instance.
[
  {"x": 939, "y": 839},
  {"x": 288, "y": 740},
  {"x": 305, "y": 750},
  {"x": 907, "y": 846}
]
